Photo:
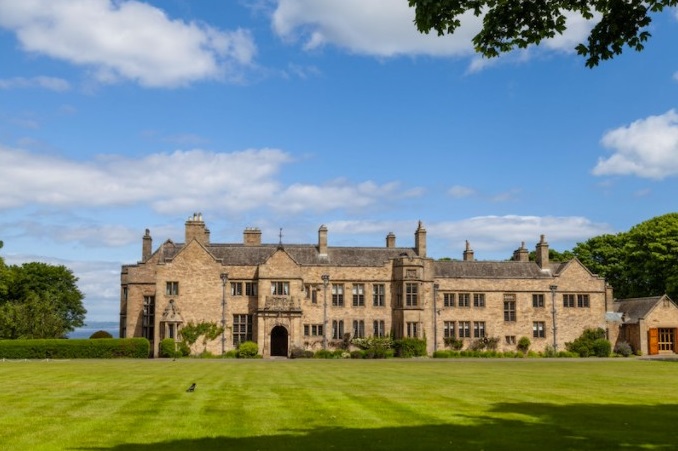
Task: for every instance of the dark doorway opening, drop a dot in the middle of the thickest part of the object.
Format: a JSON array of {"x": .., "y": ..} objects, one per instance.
[{"x": 279, "y": 342}]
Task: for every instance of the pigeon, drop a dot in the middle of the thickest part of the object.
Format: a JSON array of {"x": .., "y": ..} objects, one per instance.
[{"x": 191, "y": 388}]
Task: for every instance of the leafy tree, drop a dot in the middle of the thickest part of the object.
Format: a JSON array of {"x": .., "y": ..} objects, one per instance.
[
  {"x": 39, "y": 301},
  {"x": 554, "y": 256},
  {"x": 637, "y": 263},
  {"x": 511, "y": 24}
]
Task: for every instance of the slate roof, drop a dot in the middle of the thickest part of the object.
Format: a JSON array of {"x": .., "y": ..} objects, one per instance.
[
  {"x": 495, "y": 270},
  {"x": 303, "y": 254},
  {"x": 635, "y": 308}
]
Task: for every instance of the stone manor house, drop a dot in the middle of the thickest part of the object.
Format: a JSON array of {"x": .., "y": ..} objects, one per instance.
[{"x": 309, "y": 296}]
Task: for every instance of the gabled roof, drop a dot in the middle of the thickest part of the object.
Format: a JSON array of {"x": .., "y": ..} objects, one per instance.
[
  {"x": 303, "y": 254},
  {"x": 495, "y": 270},
  {"x": 635, "y": 309}
]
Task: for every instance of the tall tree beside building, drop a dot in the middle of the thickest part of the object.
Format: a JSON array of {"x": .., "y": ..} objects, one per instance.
[
  {"x": 40, "y": 301},
  {"x": 640, "y": 262},
  {"x": 518, "y": 24}
]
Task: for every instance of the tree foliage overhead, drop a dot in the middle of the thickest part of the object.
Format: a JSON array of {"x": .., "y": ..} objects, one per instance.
[
  {"x": 38, "y": 300},
  {"x": 519, "y": 23},
  {"x": 638, "y": 263}
]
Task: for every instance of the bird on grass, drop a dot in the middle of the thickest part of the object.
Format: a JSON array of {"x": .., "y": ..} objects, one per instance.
[{"x": 191, "y": 388}]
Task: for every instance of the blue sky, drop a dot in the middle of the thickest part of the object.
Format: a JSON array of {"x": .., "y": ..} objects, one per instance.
[{"x": 117, "y": 116}]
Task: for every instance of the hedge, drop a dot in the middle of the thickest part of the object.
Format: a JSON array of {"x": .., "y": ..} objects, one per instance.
[{"x": 103, "y": 348}]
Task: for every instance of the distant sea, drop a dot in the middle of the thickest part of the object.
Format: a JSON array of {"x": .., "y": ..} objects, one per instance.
[{"x": 92, "y": 326}]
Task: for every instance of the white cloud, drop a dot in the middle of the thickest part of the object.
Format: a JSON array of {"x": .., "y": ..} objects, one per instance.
[
  {"x": 50, "y": 83},
  {"x": 371, "y": 27},
  {"x": 178, "y": 181},
  {"x": 385, "y": 28},
  {"x": 494, "y": 236},
  {"x": 127, "y": 40},
  {"x": 459, "y": 191},
  {"x": 646, "y": 148}
]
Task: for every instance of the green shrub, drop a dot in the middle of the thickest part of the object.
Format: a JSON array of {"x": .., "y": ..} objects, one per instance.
[
  {"x": 232, "y": 354},
  {"x": 441, "y": 354},
  {"x": 550, "y": 351},
  {"x": 324, "y": 354},
  {"x": 100, "y": 334},
  {"x": 584, "y": 344},
  {"x": 300, "y": 353},
  {"x": 248, "y": 350},
  {"x": 358, "y": 354},
  {"x": 410, "y": 347},
  {"x": 477, "y": 345},
  {"x": 169, "y": 348},
  {"x": 103, "y": 348},
  {"x": 602, "y": 348},
  {"x": 454, "y": 343},
  {"x": 623, "y": 349},
  {"x": 523, "y": 344},
  {"x": 492, "y": 343},
  {"x": 567, "y": 354}
]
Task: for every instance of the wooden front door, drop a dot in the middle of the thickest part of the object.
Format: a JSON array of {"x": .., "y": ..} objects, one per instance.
[{"x": 653, "y": 341}]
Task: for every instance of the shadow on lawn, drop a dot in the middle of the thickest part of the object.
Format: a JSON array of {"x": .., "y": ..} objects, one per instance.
[{"x": 533, "y": 427}]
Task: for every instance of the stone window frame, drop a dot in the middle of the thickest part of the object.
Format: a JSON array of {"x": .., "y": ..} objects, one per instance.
[
  {"x": 358, "y": 294},
  {"x": 449, "y": 299},
  {"x": 337, "y": 294},
  {"x": 378, "y": 295},
  {"x": 172, "y": 288},
  {"x": 538, "y": 329},
  {"x": 538, "y": 300}
]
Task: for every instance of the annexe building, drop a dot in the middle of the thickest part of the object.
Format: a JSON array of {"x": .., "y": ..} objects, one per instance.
[{"x": 311, "y": 295}]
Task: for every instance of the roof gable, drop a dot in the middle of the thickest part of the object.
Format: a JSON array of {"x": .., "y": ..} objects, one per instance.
[{"x": 635, "y": 309}]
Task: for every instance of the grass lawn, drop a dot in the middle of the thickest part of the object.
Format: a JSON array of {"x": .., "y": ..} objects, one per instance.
[{"x": 339, "y": 404}]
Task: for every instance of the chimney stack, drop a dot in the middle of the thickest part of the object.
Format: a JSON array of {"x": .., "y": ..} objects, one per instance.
[
  {"x": 252, "y": 236},
  {"x": 542, "y": 253},
  {"x": 322, "y": 240},
  {"x": 390, "y": 240},
  {"x": 521, "y": 254},
  {"x": 468, "y": 253},
  {"x": 146, "y": 246},
  {"x": 420, "y": 240},
  {"x": 195, "y": 230}
]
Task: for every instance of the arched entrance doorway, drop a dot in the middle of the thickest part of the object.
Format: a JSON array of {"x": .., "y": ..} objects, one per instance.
[{"x": 279, "y": 341}]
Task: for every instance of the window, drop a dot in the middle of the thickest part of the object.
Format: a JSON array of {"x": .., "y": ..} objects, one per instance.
[
  {"x": 358, "y": 329},
  {"x": 464, "y": 329},
  {"x": 311, "y": 293},
  {"x": 251, "y": 289},
  {"x": 280, "y": 288},
  {"x": 242, "y": 329},
  {"x": 568, "y": 300},
  {"x": 413, "y": 330},
  {"x": 337, "y": 294},
  {"x": 313, "y": 330},
  {"x": 510, "y": 307},
  {"x": 539, "y": 329},
  {"x": 358, "y": 295},
  {"x": 338, "y": 329},
  {"x": 379, "y": 328},
  {"x": 538, "y": 300},
  {"x": 479, "y": 299},
  {"x": 172, "y": 289},
  {"x": 448, "y": 329},
  {"x": 510, "y": 339},
  {"x": 148, "y": 318},
  {"x": 411, "y": 294},
  {"x": 378, "y": 294},
  {"x": 236, "y": 288},
  {"x": 583, "y": 300},
  {"x": 479, "y": 329},
  {"x": 124, "y": 294},
  {"x": 448, "y": 299},
  {"x": 464, "y": 300},
  {"x": 123, "y": 326}
]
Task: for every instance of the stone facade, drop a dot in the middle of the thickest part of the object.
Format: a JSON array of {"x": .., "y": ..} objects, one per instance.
[
  {"x": 649, "y": 325},
  {"x": 310, "y": 295}
]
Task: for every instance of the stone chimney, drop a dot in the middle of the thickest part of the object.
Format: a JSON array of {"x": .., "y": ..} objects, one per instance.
[
  {"x": 468, "y": 253},
  {"x": 195, "y": 230},
  {"x": 251, "y": 236},
  {"x": 521, "y": 254},
  {"x": 542, "y": 253},
  {"x": 420, "y": 240},
  {"x": 146, "y": 246},
  {"x": 322, "y": 240},
  {"x": 390, "y": 240}
]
